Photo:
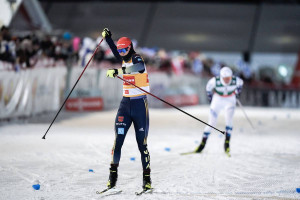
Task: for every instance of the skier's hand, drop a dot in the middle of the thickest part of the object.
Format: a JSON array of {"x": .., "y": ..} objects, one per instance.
[
  {"x": 209, "y": 95},
  {"x": 112, "y": 73},
  {"x": 238, "y": 92},
  {"x": 106, "y": 33}
]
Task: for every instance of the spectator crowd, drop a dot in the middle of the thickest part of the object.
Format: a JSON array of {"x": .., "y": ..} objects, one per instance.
[{"x": 41, "y": 50}]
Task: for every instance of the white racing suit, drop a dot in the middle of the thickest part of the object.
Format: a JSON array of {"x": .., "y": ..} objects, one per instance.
[{"x": 224, "y": 97}]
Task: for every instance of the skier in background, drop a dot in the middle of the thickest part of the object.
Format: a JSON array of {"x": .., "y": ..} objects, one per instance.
[
  {"x": 133, "y": 107},
  {"x": 222, "y": 92}
]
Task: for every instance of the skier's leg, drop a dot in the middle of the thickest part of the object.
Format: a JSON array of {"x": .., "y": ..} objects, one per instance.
[
  {"x": 212, "y": 121},
  {"x": 215, "y": 108},
  {"x": 229, "y": 112},
  {"x": 140, "y": 116},
  {"x": 113, "y": 175},
  {"x": 122, "y": 124}
]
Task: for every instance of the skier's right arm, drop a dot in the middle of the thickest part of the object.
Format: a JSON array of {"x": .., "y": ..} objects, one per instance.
[
  {"x": 107, "y": 35},
  {"x": 210, "y": 87},
  {"x": 239, "y": 87}
]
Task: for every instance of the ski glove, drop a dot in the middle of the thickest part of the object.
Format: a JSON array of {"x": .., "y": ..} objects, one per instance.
[
  {"x": 106, "y": 33},
  {"x": 238, "y": 92},
  {"x": 112, "y": 73},
  {"x": 209, "y": 95}
]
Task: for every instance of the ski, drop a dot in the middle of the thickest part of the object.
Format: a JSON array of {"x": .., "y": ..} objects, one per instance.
[
  {"x": 228, "y": 154},
  {"x": 148, "y": 191},
  {"x": 190, "y": 152},
  {"x": 109, "y": 191}
]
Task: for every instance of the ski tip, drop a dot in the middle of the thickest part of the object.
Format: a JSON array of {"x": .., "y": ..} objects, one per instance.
[
  {"x": 228, "y": 154},
  {"x": 187, "y": 153},
  {"x": 148, "y": 191},
  {"x": 109, "y": 191},
  {"x": 100, "y": 192}
]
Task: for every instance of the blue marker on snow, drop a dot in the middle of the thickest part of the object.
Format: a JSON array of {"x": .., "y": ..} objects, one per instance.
[
  {"x": 36, "y": 186},
  {"x": 167, "y": 149},
  {"x": 132, "y": 158},
  {"x": 298, "y": 190},
  {"x": 90, "y": 170}
]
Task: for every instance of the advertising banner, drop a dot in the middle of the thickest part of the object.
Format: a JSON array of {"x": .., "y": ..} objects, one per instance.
[
  {"x": 84, "y": 104},
  {"x": 32, "y": 91}
]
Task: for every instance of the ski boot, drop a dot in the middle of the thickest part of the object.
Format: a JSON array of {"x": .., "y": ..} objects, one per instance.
[
  {"x": 113, "y": 176},
  {"x": 146, "y": 183},
  {"x": 146, "y": 180},
  {"x": 226, "y": 145},
  {"x": 201, "y": 146}
]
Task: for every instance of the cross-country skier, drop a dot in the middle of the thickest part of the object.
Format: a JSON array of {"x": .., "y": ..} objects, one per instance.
[
  {"x": 222, "y": 92},
  {"x": 133, "y": 107}
]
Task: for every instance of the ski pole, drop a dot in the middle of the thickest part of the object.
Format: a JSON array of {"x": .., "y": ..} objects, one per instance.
[
  {"x": 44, "y": 137},
  {"x": 223, "y": 132},
  {"x": 241, "y": 106}
]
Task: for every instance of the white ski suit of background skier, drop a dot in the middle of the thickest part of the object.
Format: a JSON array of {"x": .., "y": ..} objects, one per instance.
[{"x": 222, "y": 91}]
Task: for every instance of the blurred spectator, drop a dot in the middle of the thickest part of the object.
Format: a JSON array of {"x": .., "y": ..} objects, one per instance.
[
  {"x": 163, "y": 61},
  {"x": 197, "y": 65},
  {"x": 215, "y": 69},
  {"x": 6, "y": 45},
  {"x": 245, "y": 71},
  {"x": 76, "y": 47},
  {"x": 86, "y": 50},
  {"x": 24, "y": 52},
  {"x": 47, "y": 46}
]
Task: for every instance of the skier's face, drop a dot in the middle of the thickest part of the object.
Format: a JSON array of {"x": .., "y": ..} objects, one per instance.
[
  {"x": 227, "y": 80},
  {"x": 124, "y": 51}
]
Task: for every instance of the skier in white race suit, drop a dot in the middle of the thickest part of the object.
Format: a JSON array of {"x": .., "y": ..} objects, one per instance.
[{"x": 222, "y": 91}]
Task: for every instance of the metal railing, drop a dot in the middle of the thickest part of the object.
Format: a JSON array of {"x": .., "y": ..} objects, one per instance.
[{"x": 271, "y": 97}]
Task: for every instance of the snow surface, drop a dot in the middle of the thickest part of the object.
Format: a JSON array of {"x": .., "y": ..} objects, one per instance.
[{"x": 265, "y": 162}]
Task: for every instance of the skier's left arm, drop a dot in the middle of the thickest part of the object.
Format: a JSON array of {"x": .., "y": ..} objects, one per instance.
[
  {"x": 106, "y": 34},
  {"x": 239, "y": 86},
  {"x": 210, "y": 86},
  {"x": 138, "y": 66}
]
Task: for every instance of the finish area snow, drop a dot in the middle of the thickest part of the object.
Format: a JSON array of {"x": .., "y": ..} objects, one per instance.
[{"x": 264, "y": 162}]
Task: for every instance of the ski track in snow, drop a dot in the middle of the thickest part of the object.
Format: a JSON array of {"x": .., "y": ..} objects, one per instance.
[{"x": 264, "y": 163}]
